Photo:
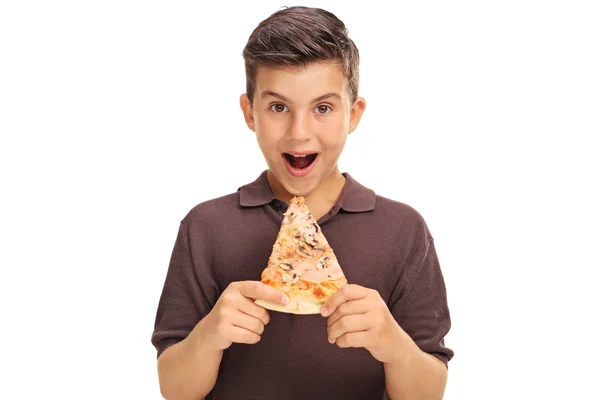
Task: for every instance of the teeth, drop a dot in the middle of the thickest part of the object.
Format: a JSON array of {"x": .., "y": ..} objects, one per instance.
[{"x": 294, "y": 155}]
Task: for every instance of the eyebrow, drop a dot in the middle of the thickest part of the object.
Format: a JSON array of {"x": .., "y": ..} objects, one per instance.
[{"x": 271, "y": 93}]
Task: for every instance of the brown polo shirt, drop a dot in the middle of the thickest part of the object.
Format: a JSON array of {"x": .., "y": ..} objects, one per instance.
[{"x": 380, "y": 244}]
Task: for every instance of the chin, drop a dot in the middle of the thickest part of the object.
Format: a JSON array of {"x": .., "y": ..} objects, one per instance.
[
  {"x": 299, "y": 189},
  {"x": 297, "y": 186}
]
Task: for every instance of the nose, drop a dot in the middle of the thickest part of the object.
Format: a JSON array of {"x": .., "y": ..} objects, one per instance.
[{"x": 299, "y": 129}]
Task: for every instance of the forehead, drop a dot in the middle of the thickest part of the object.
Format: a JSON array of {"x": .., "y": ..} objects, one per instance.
[{"x": 302, "y": 83}]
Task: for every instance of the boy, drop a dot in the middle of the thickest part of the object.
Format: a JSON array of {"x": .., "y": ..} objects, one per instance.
[{"x": 384, "y": 331}]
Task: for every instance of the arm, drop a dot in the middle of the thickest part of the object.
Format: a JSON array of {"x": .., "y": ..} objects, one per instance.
[
  {"x": 421, "y": 310},
  {"x": 358, "y": 317},
  {"x": 188, "y": 369},
  {"x": 403, "y": 336},
  {"x": 418, "y": 375}
]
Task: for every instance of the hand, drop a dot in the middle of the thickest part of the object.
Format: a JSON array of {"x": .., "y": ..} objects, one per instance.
[
  {"x": 235, "y": 318},
  {"x": 358, "y": 317}
]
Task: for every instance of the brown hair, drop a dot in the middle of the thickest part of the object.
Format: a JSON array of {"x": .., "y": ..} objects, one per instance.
[{"x": 299, "y": 36}]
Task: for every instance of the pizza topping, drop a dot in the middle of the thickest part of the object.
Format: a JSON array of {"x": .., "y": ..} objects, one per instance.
[
  {"x": 319, "y": 276},
  {"x": 311, "y": 227},
  {"x": 309, "y": 270},
  {"x": 304, "y": 250},
  {"x": 302, "y": 266},
  {"x": 311, "y": 239},
  {"x": 324, "y": 262},
  {"x": 289, "y": 279},
  {"x": 286, "y": 266}
]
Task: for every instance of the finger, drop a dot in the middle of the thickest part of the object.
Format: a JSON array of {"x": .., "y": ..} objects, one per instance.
[
  {"x": 345, "y": 293},
  {"x": 354, "y": 339},
  {"x": 351, "y": 307},
  {"x": 248, "y": 307},
  {"x": 349, "y": 323},
  {"x": 247, "y": 322},
  {"x": 240, "y": 335},
  {"x": 258, "y": 290}
]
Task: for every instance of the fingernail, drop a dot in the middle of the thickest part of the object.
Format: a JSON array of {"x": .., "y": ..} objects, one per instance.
[
  {"x": 285, "y": 300},
  {"x": 330, "y": 341},
  {"x": 324, "y": 311}
]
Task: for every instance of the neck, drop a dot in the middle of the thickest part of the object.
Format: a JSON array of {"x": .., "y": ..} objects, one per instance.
[{"x": 320, "y": 200}]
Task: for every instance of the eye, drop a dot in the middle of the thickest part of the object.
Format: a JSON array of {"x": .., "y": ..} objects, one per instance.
[
  {"x": 323, "y": 109},
  {"x": 278, "y": 108}
]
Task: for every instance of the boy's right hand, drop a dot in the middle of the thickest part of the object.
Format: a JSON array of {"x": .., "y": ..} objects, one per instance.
[{"x": 235, "y": 318}]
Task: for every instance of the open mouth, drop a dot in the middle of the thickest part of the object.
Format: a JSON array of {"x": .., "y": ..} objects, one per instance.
[{"x": 300, "y": 162}]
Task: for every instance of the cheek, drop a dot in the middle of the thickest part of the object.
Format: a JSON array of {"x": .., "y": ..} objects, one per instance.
[
  {"x": 266, "y": 132},
  {"x": 336, "y": 135}
]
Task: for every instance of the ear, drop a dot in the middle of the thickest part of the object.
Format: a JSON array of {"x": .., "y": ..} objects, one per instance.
[
  {"x": 246, "y": 107},
  {"x": 356, "y": 112}
]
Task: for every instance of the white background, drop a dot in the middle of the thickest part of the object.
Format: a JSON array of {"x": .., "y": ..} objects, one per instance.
[{"x": 117, "y": 117}]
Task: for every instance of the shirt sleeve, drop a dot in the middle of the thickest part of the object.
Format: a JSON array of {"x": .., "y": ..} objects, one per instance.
[
  {"x": 421, "y": 306},
  {"x": 183, "y": 302}
]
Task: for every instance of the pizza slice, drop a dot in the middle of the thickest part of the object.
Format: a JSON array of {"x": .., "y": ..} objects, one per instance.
[{"x": 302, "y": 263}]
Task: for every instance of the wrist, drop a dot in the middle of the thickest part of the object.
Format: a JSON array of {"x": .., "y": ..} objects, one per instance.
[
  {"x": 406, "y": 350},
  {"x": 199, "y": 343}
]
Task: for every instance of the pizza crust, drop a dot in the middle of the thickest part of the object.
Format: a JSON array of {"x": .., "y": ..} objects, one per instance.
[
  {"x": 298, "y": 304},
  {"x": 305, "y": 298}
]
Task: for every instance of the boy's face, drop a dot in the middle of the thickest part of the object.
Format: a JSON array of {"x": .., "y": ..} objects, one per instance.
[{"x": 301, "y": 117}]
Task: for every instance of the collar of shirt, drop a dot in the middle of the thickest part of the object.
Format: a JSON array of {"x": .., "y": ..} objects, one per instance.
[{"x": 354, "y": 197}]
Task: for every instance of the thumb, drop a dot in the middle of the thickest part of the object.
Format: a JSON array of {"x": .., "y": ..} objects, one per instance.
[{"x": 258, "y": 290}]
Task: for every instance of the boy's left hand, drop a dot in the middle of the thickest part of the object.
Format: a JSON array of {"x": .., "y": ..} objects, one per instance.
[{"x": 358, "y": 317}]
